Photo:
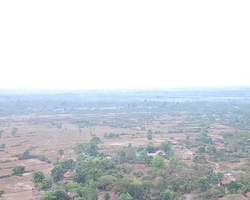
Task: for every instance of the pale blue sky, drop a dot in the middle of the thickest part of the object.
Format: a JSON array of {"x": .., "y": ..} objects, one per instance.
[{"x": 124, "y": 44}]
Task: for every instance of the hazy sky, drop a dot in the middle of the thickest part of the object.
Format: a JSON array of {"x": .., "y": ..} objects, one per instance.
[{"x": 124, "y": 44}]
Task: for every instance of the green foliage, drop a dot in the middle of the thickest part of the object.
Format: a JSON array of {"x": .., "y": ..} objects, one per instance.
[
  {"x": 57, "y": 173},
  {"x": 139, "y": 174},
  {"x": 149, "y": 136},
  {"x": 50, "y": 195},
  {"x": 151, "y": 148},
  {"x": 2, "y": 145},
  {"x": 88, "y": 193},
  {"x": 174, "y": 161},
  {"x": 158, "y": 161},
  {"x": 2, "y": 192},
  {"x": 120, "y": 185},
  {"x": 167, "y": 148},
  {"x": 168, "y": 195},
  {"x": 126, "y": 168},
  {"x": 68, "y": 165},
  {"x": 90, "y": 149},
  {"x": 111, "y": 136},
  {"x": 200, "y": 159},
  {"x": 79, "y": 198},
  {"x": 206, "y": 139},
  {"x": 46, "y": 184},
  {"x": 38, "y": 177},
  {"x": 144, "y": 155},
  {"x": 213, "y": 193},
  {"x": 18, "y": 170},
  {"x": 26, "y": 155},
  {"x": 61, "y": 195},
  {"x": 122, "y": 157},
  {"x": 104, "y": 181},
  {"x": 61, "y": 152},
  {"x": 95, "y": 139},
  {"x": 125, "y": 196},
  {"x": 107, "y": 196},
  {"x": 72, "y": 187},
  {"x": 136, "y": 191}
]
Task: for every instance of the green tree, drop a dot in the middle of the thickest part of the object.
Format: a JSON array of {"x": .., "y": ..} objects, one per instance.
[
  {"x": 107, "y": 196},
  {"x": 145, "y": 157},
  {"x": 46, "y": 184},
  {"x": 88, "y": 193},
  {"x": 125, "y": 196},
  {"x": 174, "y": 161},
  {"x": 95, "y": 139},
  {"x": 2, "y": 192},
  {"x": 91, "y": 149},
  {"x": 135, "y": 190},
  {"x": 167, "y": 148},
  {"x": 104, "y": 181},
  {"x": 201, "y": 150},
  {"x": 79, "y": 198},
  {"x": 61, "y": 152},
  {"x": 72, "y": 186},
  {"x": 38, "y": 177},
  {"x": 68, "y": 165},
  {"x": 50, "y": 195},
  {"x": 122, "y": 157},
  {"x": 57, "y": 173},
  {"x": 168, "y": 195},
  {"x": 158, "y": 161},
  {"x": 149, "y": 136},
  {"x": 18, "y": 170},
  {"x": 61, "y": 195},
  {"x": 92, "y": 184}
]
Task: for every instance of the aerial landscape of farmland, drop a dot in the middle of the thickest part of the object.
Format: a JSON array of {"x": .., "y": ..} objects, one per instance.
[{"x": 88, "y": 144}]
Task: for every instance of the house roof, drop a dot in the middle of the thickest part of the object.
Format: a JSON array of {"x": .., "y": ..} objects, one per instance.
[
  {"x": 68, "y": 174},
  {"x": 247, "y": 194},
  {"x": 159, "y": 151},
  {"x": 225, "y": 182},
  {"x": 221, "y": 146},
  {"x": 222, "y": 198}
]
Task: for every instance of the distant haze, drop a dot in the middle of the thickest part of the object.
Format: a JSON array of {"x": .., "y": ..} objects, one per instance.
[{"x": 124, "y": 44}]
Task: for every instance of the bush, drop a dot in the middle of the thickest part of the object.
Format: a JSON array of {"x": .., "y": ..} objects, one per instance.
[
  {"x": 18, "y": 170},
  {"x": 139, "y": 174},
  {"x": 2, "y": 192},
  {"x": 46, "y": 184},
  {"x": 107, "y": 196},
  {"x": 38, "y": 177}
]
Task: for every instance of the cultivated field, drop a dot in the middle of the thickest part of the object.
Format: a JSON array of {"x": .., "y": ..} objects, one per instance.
[{"x": 46, "y": 134}]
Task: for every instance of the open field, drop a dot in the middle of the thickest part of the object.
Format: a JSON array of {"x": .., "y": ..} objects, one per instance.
[{"x": 38, "y": 133}]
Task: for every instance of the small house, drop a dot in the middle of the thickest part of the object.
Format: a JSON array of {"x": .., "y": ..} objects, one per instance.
[
  {"x": 221, "y": 146},
  {"x": 68, "y": 176},
  {"x": 247, "y": 194},
  {"x": 225, "y": 182},
  {"x": 160, "y": 152}
]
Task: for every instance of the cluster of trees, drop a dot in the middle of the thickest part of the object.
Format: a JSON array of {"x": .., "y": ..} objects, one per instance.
[
  {"x": 112, "y": 135},
  {"x": 26, "y": 155},
  {"x": 159, "y": 180}
]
